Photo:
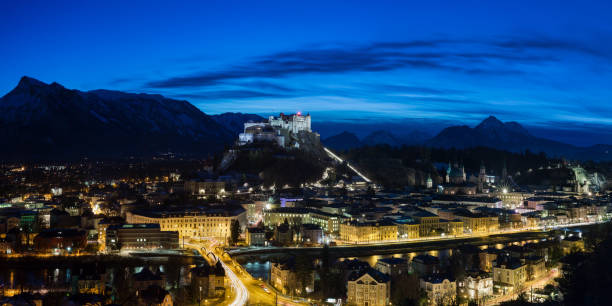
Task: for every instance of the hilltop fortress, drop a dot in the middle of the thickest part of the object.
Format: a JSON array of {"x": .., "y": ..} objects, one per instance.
[
  {"x": 285, "y": 130},
  {"x": 288, "y": 132}
]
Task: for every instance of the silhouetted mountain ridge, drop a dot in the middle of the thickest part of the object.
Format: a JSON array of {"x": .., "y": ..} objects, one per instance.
[
  {"x": 347, "y": 140},
  {"x": 343, "y": 141},
  {"x": 49, "y": 122},
  {"x": 513, "y": 137},
  {"x": 491, "y": 132},
  {"x": 235, "y": 121}
]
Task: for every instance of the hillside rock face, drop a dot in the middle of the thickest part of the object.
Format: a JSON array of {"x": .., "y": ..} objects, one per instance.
[{"x": 40, "y": 121}]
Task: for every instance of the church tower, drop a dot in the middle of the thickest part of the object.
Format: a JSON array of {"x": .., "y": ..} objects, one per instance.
[{"x": 482, "y": 177}]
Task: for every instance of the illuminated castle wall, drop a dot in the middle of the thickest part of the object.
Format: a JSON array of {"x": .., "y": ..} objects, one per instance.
[{"x": 292, "y": 123}]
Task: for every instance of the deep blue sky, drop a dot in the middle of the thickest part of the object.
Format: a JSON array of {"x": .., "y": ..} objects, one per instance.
[{"x": 546, "y": 64}]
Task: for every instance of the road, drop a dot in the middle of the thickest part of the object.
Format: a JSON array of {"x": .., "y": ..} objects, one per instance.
[
  {"x": 240, "y": 294},
  {"x": 245, "y": 287},
  {"x": 257, "y": 294},
  {"x": 415, "y": 245}
]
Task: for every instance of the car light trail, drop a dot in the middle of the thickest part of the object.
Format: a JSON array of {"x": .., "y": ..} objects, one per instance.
[{"x": 242, "y": 295}]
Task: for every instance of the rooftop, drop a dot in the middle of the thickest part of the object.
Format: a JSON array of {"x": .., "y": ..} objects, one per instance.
[
  {"x": 375, "y": 274},
  {"x": 394, "y": 260}
]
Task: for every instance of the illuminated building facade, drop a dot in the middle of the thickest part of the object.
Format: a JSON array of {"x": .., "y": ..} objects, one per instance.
[
  {"x": 60, "y": 240},
  {"x": 440, "y": 290},
  {"x": 294, "y": 123},
  {"x": 255, "y": 236},
  {"x": 478, "y": 286},
  {"x": 276, "y": 130},
  {"x": 285, "y": 279},
  {"x": 392, "y": 266},
  {"x": 368, "y": 287},
  {"x": 296, "y": 216},
  {"x": 208, "y": 281},
  {"x": 384, "y": 230},
  {"x": 212, "y": 223},
  {"x": 408, "y": 230},
  {"x": 431, "y": 225},
  {"x": 509, "y": 274},
  {"x": 513, "y": 200},
  {"x": 477, "y": 223},
  {"x": 140, "y": 236},
  {"x": 205, "y": 187}
]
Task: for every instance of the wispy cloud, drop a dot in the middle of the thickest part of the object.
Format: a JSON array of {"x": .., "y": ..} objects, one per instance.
[
  {"x": 552, "y": 44},
  {"x": 459, "y": 56},
  {"x": 401, "y": 88},
  {"x": 229, "y": 94},
  {"x": 451, "y": 80}
]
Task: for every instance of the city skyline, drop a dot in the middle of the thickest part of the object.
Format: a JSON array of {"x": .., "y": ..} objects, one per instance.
[
  {"x": 545, "y": 65},
  {"x": 369, "y": 153}
]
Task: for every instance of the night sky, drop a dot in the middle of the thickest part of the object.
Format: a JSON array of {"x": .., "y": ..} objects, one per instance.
[{"x": 545, "y": 64}]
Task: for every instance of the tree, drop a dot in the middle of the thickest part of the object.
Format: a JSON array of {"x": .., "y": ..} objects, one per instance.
[
  {"x": 235, "y": 231},
  {"x": 586, "y": 279},
  {"x": 476, "y": 261},
  {"x": 303, "y": 270},
  {"x": 519, "y": 301},
  {"x": 457, "y": 266},
  {"x": 269, "y": 234},
  {"x": 596, "y": 235},
  {"x": 555, "y": 255},
  {"x": 325, "y": 258},
  {"x": 122, "y": 288},
  {"x": 327, "y": 285},
  {"x": 405, "y": 290},
  {"x": 370, "y": 192}
]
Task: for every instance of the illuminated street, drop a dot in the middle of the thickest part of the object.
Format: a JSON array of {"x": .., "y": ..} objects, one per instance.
[{"x": 245, "y": 287}]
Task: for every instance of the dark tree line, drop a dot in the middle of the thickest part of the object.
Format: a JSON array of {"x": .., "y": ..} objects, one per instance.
[
  {"x": 280, "y": 167},
  {"x": 587, "y": 277},
  {"x": 396, "y": 167}
]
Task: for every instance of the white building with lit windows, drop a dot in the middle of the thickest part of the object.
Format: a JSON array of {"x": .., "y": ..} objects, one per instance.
[
  {"x": 294, "y": 123},
  {"x": 193, "y": 223}
]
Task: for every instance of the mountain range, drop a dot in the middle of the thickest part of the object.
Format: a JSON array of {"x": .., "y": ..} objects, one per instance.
[
  {"x": 235, "y": 121},
  {"x": 40, "y": 121},
  {"x": 491, "y": 132},
  {"x": 347, "y": 140}
]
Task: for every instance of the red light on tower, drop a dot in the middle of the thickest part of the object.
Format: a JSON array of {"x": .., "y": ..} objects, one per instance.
[{"x": 299, "y": 113}]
